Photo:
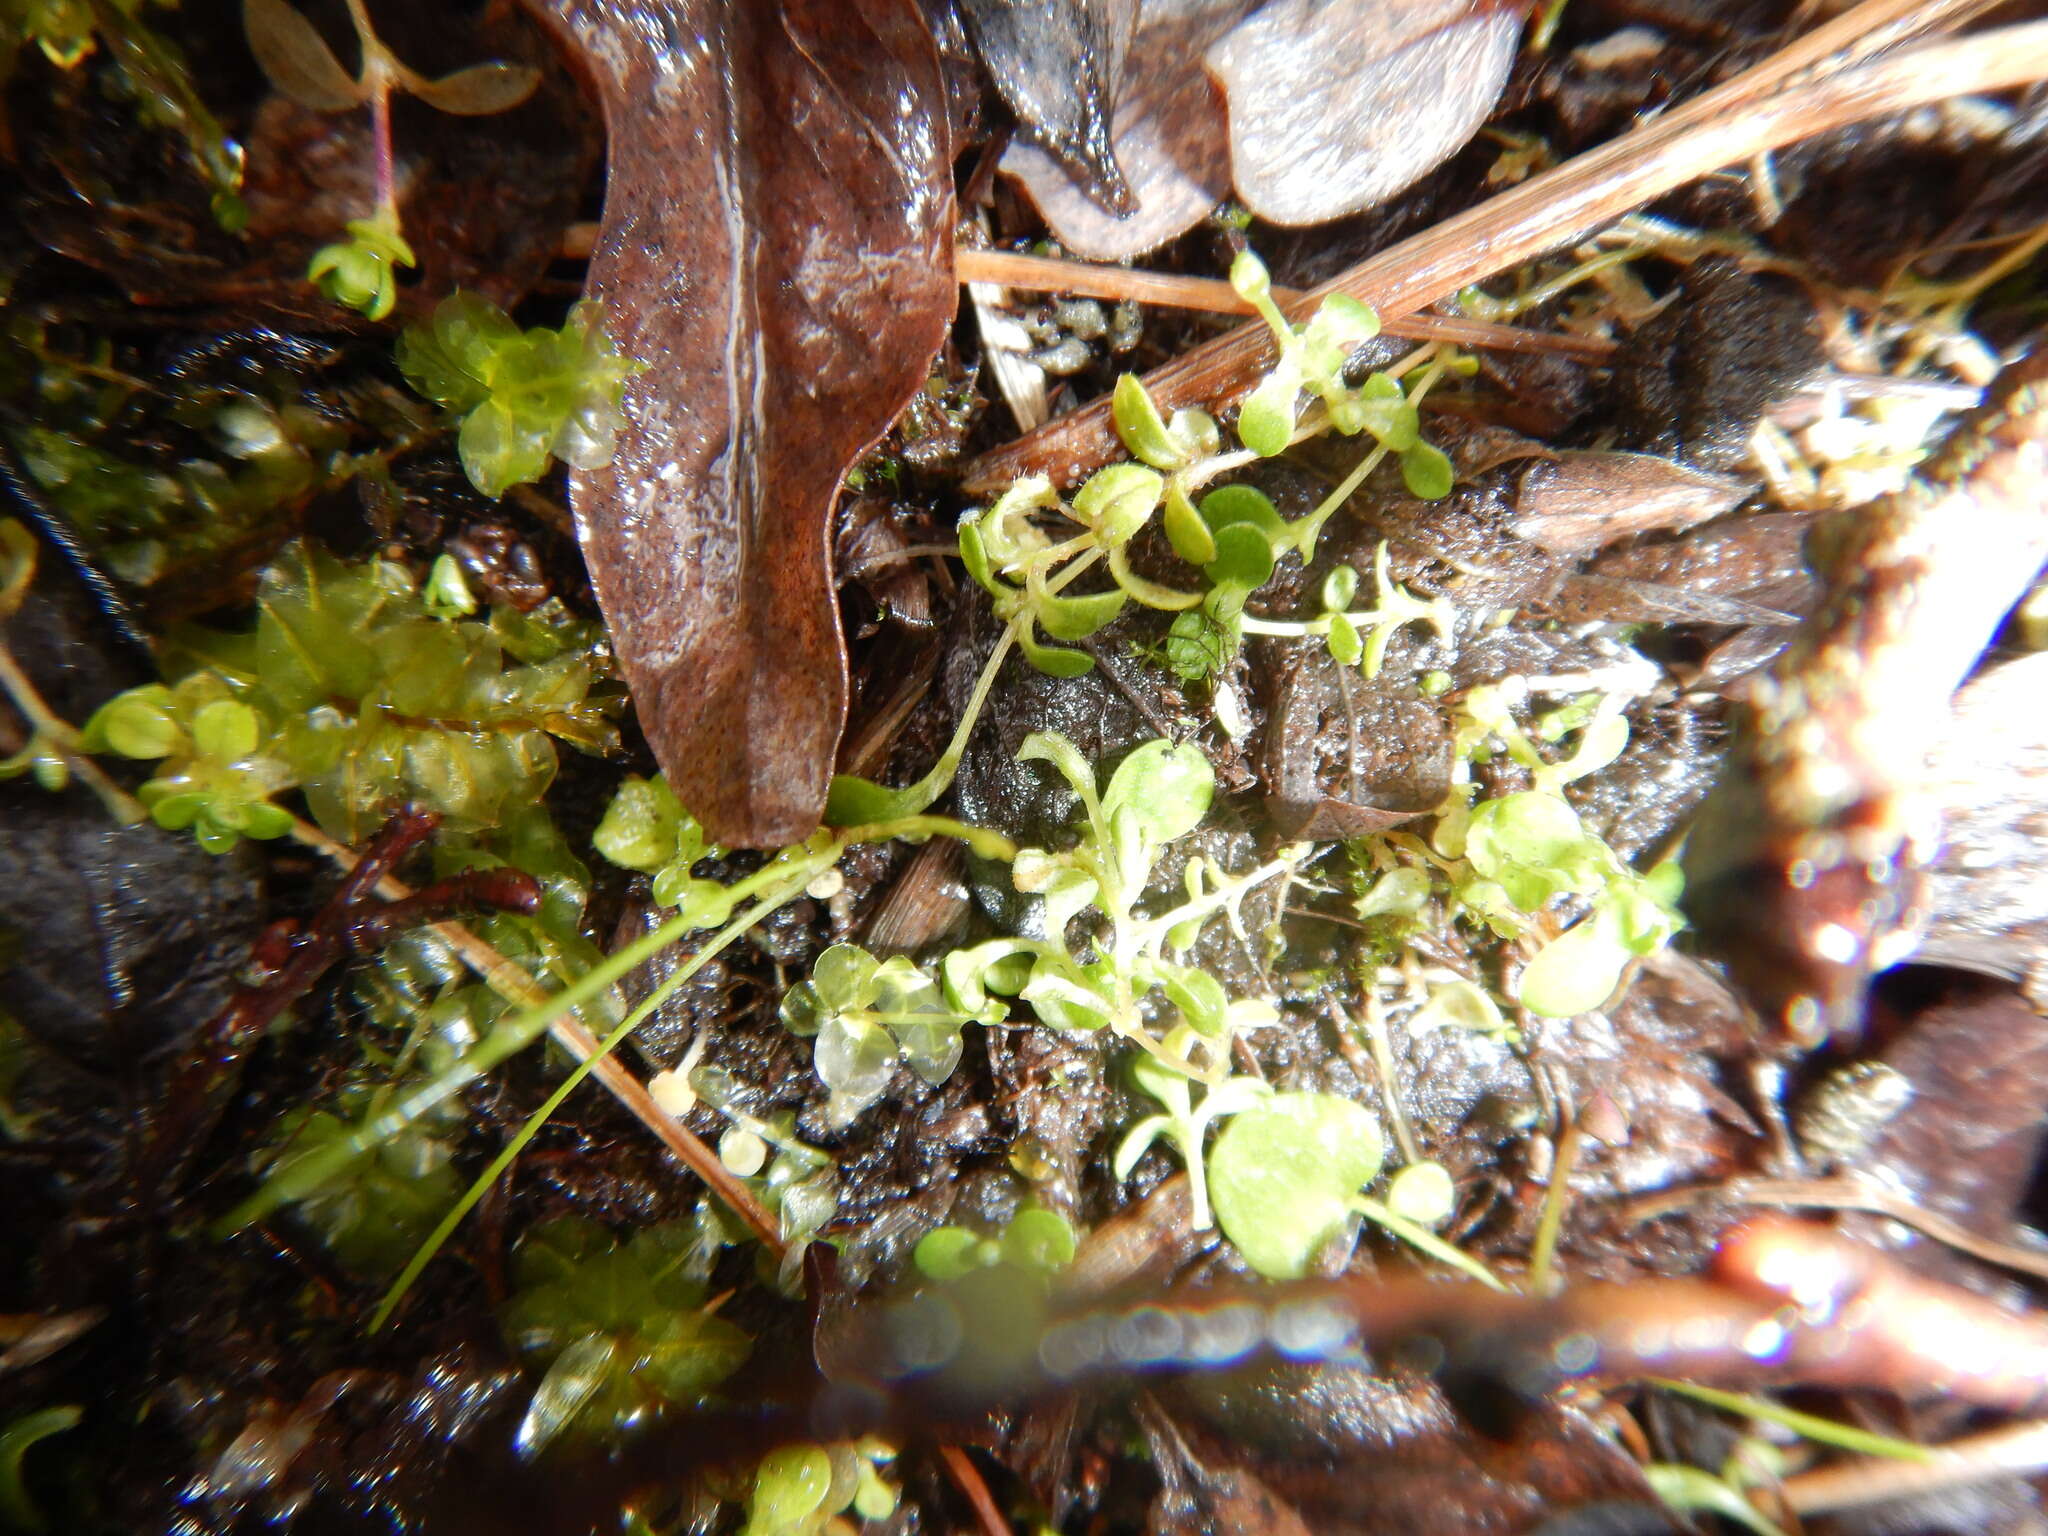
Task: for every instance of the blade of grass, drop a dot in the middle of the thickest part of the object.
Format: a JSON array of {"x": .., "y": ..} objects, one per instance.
[
  {"x": 517, "y": 1144},
  {"x": 1826, "y": 1431},
  {"x": 512, "y": 982}
]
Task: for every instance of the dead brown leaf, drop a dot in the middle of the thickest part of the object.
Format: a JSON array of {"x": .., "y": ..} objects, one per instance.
[{"x": 776, "y": 248}]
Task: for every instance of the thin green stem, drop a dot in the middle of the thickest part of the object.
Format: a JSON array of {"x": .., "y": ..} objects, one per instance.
[
  {"x": 1311, "y": 527},
  {"x": 505, "y": 1158},
  {"x": 1148, "y": 932},
  {"x": 1826, "y": 1431},
  {"x": 985, "y": 841},
  {"x": 1427, "y": 1241},
  {"x": 45, "y": 723},
  {"x": 1543, "y": 1256}
]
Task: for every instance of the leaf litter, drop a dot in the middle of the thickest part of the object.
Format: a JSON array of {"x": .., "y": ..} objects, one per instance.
[{"x": 1608, "y": 572}]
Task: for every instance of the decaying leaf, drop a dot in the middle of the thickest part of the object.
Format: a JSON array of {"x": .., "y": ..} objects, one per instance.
[
  {"x": 1058, "y": 66},
  {"x": 1331, "y": 107},
  {"x": 775, "y": 248},
  {"x": 1168, "y": 136},
  {"x": 1342, "y": 758},
  {"x": 1577, "y": 502},
  {"x": 1402, "y": 87}
]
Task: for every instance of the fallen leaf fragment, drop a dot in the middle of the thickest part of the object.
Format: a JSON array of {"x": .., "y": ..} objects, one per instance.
[
  {"x": 1312, "y": 109},
  {"x": 775, "y": 248},
  {"x": 1058, "y": 65},
  {"x": 1167, "y": 133},
  {"x": 1336, "y": 107}
]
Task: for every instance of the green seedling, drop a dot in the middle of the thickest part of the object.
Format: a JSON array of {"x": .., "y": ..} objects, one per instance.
[
  {"x": 1523, "y": 852},
  {"x": 864, "y": 1014},
  {"x": 1312, "y": 361},
  {"x": 361, "y": 271},
  {"x": 1158, "y": 794},
  {"x": 647, "y": 829},
  {"x": 1025, "y": 569},
  {"x": 1184, "y": 1123},
  {"x": 1286, "y": 1173},
  {"x": 1360, "y": 637},
  {"x": 1504, "y": 862},
  {"x": 1283, "y": 1173}
]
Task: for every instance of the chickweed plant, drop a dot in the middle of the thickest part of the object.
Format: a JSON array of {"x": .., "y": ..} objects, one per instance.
[{"x": 361, "y": 272}]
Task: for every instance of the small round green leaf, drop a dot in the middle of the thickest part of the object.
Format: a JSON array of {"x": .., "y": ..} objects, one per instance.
[
  {"x": 1281, "y": 1175},
  {"x": 639, "y": 826},
  {"x": 1246, "y": 504},
  {"x": 225, "y": 730},
  {"x": 1423, "y": 1193},
  {"x": 789, "y": 1489},
  {"x": 1574, "y": 973},
  {"x": 1249, "y": 277},
  {"x": 1528, "y": 832},
  {"x": 1265, "y": 422},
  {"x": 844, "y": 976},
  {"x": 1398, "y": 893},
  {"x": 947, "y": 1253},
  {"x": 1076, "y": 618},
  {"x": 1039, "y": 1239},
  {"x": 1116, "y": 501},
  {"x": 1200, "y": 998},
  {"x": 1426, "y": 472},
  {"x": 1244, "y": 557},
  {"x": 1054, "y": 660},
  {"x": 1346, "y": 645},
  {"x": 1339, "y": 587},
  {"x": 1185, "y": 530},
  {"x": 1141, "y": 427},
  {"x": 1166, "y": 788},
  {"x": 138, "y": 723}
]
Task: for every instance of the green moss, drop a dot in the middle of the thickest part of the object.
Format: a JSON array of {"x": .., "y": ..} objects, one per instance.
[
  {"x": 351, "y": 692},
  {"x": 247, "y": 451},
  {"x": 152, "y": 73},
  {"x": 622, "y": 1328}
]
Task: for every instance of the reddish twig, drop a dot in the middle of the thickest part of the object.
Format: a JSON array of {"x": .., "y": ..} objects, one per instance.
[{"x": 966, "y": 1476}]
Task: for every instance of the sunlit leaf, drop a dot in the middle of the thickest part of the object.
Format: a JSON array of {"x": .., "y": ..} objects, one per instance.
[{"x": 1282, "y": 1173}]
